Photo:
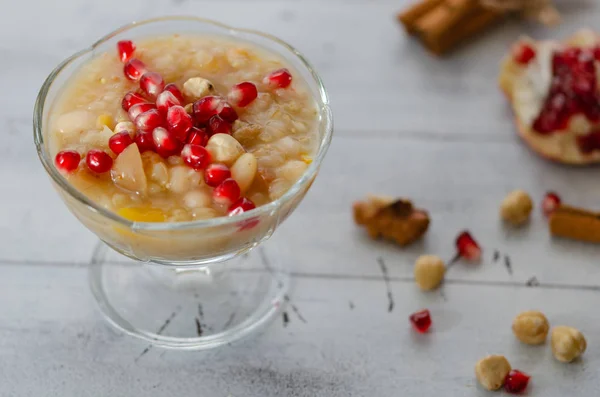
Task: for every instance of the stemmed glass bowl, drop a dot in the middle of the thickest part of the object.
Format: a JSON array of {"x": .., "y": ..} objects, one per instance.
[{"x": 187, "y": 285}]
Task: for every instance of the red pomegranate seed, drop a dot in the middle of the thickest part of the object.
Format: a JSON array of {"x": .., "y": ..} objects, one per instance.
[
  {"x": 138, "y": 109},
  {"x": 550, "y": 203},
  {"x": 207, "y": 107},
  {"x": 281, "y": 78},
  {"x": 125, "y": 49},
  {"x": 596, "y": 52},
  {"x": 523, "y": 53},
  {"x": 145, "y": 142},
  {"x": 130, "y": 99},
  {"x": 240, "y": 206},
  {"x": 467, "y": 247},
  {"x": 149, "y": 120},
  {"x": 118, "y": 142},
  {"x": 165, "y": 100},
  {"x": 98, "y": 161},
  {"x": 173, "y": 89},
  {"x": 166, "y": 143},
  {"x": 215, "y": 174},
  {"x": 195, "y": 156},
  {"x": 134, "y": 69},
  {"x": 227, "y": 192},
  {"x": 516, "y": 381},
  {"x": 216, "y": 125},
  {"x": 152, "y": 84},
  {"x": 243, "y": 94},
  {"x": 67, "y": 160},
  {"x": 197, "y": 136},
  {"x": 421, "y": 321},
  {"x": 179, "y": 122},
  {"x": 228, "y": 113}
]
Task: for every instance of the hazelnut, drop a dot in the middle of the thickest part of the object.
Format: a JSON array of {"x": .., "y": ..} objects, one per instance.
[
  {"x": 531, "y": 327},
  {"x": 429, "y": 272},
  {"x": 491, "y": 371},
  {"x": 516, "y": 207},
  {"x": 567, "y": 343}
]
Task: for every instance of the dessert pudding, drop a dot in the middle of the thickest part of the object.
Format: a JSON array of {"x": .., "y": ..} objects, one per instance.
[
  {"x": 553, "y": 89},
  {"x": 183, "y": 127}
]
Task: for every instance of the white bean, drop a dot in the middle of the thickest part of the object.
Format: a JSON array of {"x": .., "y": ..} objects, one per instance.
[
  {"x": 293, "y": 170},
  {"x": 180, "y": 179},
  {"x": 197, "y": 199},
  {"x": 244, "y": 170},
  {"x": 288, "y": 146}
]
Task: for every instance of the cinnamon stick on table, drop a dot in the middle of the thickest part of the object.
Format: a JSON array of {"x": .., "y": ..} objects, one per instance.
[{"x": 575, "y": 223}]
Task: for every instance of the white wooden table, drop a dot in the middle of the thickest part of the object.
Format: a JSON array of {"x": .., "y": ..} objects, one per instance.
[{"x": 437, "y": 131}]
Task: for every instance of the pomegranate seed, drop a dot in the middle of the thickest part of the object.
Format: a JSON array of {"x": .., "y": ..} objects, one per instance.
[
  {"x": 125, "y": 49},
  {"x": 98, "y": 161},
  {"x": 550, "y": 203},
  {"x": 138, "y": 109},
  {"x": 596, "y": 52},
  {"x": 216, "y": 125},
  {"x": 243, "y": 94},
  {"x": 149, "y": 120},
  {"x": 67, "y": 160},
  {"x": 281, "y": 78},
  {"x": 215, "y": 174},
  {"x": 228, "y": 113},
  {"x": 421, "y": 321},
  {"x": 523, "y": 54},
  {"x": 166, "y": 143},
  {"x": 130, "y": 99},
  {"x": 240, "y": 206},
  {"x": 173, "y": 89},
  {"x": 197, "y": 136},
  {"x": 467, "y": 247},
  {"x": 195, "y": 156},
  {"x": 207, "y": 107},
  {"x": 134, "y": 69},
  {"x": 145, "y": 142},
  {"x": 165, "y": 100},
  {"x": 118, "y": 142},
  {"x": 152, "y": 84},
  {"x": 179, "y": 122},
  {"x": 516, "y": 381},
  {"x": 227, "y": 192}
]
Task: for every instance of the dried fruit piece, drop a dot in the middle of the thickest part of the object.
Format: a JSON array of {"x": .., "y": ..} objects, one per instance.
[
  {"x": 240, "y": 206},
  {"x": 516, "y": 207},
  {"x": 429, "y": 272},
  {"x": 134, "y": 69},
  {"x": 227, "y": 192},
  {"x": 467, "y": 247},
  {"x": 118, "y": 142},
  {"x": 281, "y": 78},
  {"x": 195, "y": 156},
  {"x": 396, "y": 220},
  {"x": 567, "y": 343},
  {"x": 152, "y": 84},
  {"x": 550, "y": 203},
  {"x": 67, "y": 160},
  {"x": 125, "y": 49},
  {"x": 98, "y": 161},
  {"x": 516, "y": 381},
  {"x": 243, "y": 94},
  {"x": 491, "y": 371},
  {"x": 421, "y": 321},
  {"x": 215, "y": 174},
  {"x": 531, "y": 327}
]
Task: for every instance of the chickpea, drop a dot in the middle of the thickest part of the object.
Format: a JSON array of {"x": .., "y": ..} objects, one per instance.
[
  {"x": 429, "y": 272},
  {"x": 224, "y": 149},
  {"x": 491, "y": 371},
  {"x": 531, "y": 327},
  {"x": 516, "y": 207},
  {"x": 567, "y": 343}
]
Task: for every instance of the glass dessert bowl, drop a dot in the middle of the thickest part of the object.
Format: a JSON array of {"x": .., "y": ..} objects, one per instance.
[{"x": 185, "y": 217}]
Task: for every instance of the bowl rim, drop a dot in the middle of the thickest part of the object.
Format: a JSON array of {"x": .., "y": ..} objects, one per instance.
[{"x": 326, "y": 122}]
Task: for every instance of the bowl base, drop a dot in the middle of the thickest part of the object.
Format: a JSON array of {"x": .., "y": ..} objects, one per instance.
[{"x": 188, "y": 308}]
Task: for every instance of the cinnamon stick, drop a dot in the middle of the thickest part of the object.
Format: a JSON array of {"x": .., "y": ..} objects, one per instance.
[
  {"x": 437, "y": 23},
  {"x": 416, "y": 11},
  {"x": 575, "y": 223}
]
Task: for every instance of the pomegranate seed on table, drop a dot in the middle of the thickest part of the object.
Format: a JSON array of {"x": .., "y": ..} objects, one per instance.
[
  {"x": 145, "y": 142},
  {"x": 227, "y": 192},
  {"x": 179, "y": 122},
  {"x": 516, "y": 381},
  {"x": 227, "y": 113},
  {"x": 165, "y": 100},
  {"x": 173, "y": 89},
  {"x": 98, "y": 161},
  {"x": 215, "y": 174},
  {"x": 165, "y": 142},
  {"x": 281, "y": 78},
  {"x": 197, "y": 136},
  {"x": 240, "y": 206},
  {"x": 152, "y": 84},
  {"x": 206, "y": 107},
  {"x": 149, "y": 120},
  {"x": 467, "y": 247},
  {"x": 67, "y": 160},
  {"x": 195, "y": 156},
  {"x": 118, "y": 142},
  {"x": 523, "y": 53},
  {"x": 421, "y": 321},
  {"x": 138, "y": 109},
  {"x": 243, "y": 94},
  {"x": 130, "y": 99},
  {"x": 125, "y": 49},
  {"x": 134, "y": 69},
  {"x": 216, "y": 125},
  {"x": 550, "y": 203}
]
